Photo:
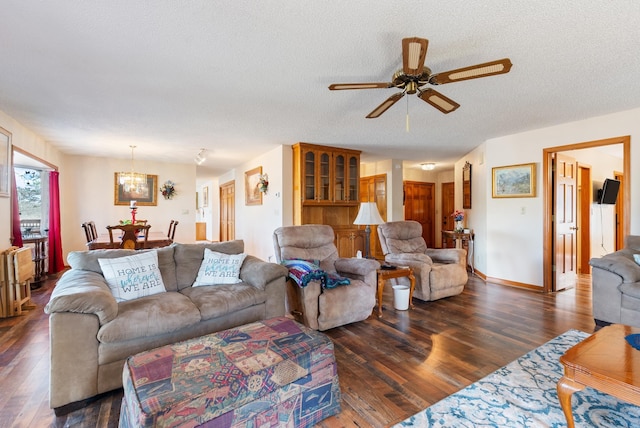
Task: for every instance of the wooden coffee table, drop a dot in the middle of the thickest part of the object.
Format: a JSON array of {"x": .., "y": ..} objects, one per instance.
[
  {"x": 604, "y": 361},
  {"x": 398, "y": 272}
]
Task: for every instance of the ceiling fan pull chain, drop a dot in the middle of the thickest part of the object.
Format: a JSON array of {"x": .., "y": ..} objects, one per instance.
[{"x": 407, "y": 120}]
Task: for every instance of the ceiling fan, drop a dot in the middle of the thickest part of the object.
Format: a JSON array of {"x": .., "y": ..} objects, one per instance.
[{"x": 413, "y": 76}]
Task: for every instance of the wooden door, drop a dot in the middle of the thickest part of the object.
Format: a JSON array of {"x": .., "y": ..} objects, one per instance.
[
  {"x": 419, "y": 205},
  {"x": 227, "y": 211},
  {"x": 619, "y": 212},
  {"x": 585, "y": 198},
  {"x": 448, "y": 207},
  {"x": 565, "y": 185}
]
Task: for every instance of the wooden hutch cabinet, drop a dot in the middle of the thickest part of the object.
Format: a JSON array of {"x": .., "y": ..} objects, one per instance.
[{"x": 326, "y": 191}]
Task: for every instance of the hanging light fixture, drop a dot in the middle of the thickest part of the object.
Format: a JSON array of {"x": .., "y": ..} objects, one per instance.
[
  {"x": 133, "y": 182},
  {"x": 428, "y": 166},
  {"x": 200, "y": 157}
]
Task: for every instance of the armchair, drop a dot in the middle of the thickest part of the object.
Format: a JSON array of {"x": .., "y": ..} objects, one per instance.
[
  {"x": 615, "y": 280},
  {"x": 439, "y": 272},
  {"x": 313, "y": 305}
]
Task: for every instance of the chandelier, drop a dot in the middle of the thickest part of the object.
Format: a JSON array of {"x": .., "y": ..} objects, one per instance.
[{"x": 133, "y": 182}]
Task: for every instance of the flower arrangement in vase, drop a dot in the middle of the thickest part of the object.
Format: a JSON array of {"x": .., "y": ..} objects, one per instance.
[
  {"x": 458, "y": 217},
  {"x": 168, "y": 189},
  {"x": 263, "y": 183}
]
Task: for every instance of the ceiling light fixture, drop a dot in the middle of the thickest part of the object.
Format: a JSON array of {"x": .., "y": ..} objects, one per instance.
[
  {"x": 200, "y": 157},
  {"x": 428, "y": 166},
  {"x": 133, "y": 182}
]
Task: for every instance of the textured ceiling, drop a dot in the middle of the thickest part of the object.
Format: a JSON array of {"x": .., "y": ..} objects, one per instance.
[{"x": 241, "y": 77}]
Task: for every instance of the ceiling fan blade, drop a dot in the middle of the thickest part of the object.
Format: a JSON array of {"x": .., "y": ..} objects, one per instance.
[
  {"x": 492, "y": 68},
  {"x": 385, "y": 105},
  {"x": 372, "y": 85},
  {"x": 414, "y": 51},
  {"x": 437, "y": 100}
]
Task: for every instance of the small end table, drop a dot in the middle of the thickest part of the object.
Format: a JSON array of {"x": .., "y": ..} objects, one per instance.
[
  {"x": 398, "y": 272},
  {"x": 603, "y": 361}
]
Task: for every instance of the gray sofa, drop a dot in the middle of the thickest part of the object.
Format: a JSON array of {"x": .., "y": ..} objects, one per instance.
[
  {"x": 92, "y": 334},
  {"x": 616, "y": 285}
]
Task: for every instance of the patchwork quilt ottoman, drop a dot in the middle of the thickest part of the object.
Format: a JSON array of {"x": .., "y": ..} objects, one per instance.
[{"x": 273, "y": 373}]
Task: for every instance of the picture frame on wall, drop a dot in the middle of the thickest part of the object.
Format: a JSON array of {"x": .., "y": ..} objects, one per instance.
[
  {"x": 205, "y": 196},
  {"x": 514, "y": 181},
  {"x": 252, "y": 193},
  {"x": 466, "y": 186},
  {"x": 148, "y": 197},
  {"x": 5, "y": 163}
]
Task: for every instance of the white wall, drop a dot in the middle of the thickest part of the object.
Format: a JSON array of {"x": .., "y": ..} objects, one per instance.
[
  {"x": 509, "y": 242},
  {"x": 255, "y": 223},
  {"x": 88, "y": 194}
]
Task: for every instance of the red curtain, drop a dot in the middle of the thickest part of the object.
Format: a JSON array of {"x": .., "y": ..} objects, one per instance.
[
  {"x": 15, "y": 226},
  {"x": 56, "y": 264}
]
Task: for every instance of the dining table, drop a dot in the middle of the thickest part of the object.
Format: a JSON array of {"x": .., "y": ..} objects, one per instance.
[{"x": 154, "y": 240}]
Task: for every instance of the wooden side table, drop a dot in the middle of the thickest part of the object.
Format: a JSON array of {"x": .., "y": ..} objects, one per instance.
[
  {"x": 399, "y": 272},
  {"x": 460, "y": 238},
  {"x": 603, "y": 361}
]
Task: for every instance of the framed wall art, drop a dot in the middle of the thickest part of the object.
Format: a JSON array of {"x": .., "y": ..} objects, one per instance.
[
  {"x": 514, "y": 181},
  {"x": 5, "y": 163},
  {"x": 252, "y": 193},
  {"x": 144, "y": 197},
  {"x": 466, "y": 186},
  {"x": 205, "y": 196}
]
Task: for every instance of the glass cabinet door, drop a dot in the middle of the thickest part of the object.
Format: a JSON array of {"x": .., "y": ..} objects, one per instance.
[
  {"x": 324, "y": 177},
  {"x": 340, "y": 174},
  {"x": 353, "y": 176},
  {"x": 309, "y": 176}
]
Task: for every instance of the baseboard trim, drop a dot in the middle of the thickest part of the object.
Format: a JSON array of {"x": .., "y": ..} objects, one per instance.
[{"x": 529, "y": 287}]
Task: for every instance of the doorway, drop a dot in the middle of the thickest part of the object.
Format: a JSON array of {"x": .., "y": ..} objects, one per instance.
[
  {"x": 447, "y": 207},
  {"x": 228, "y": 211},
  {"x": 549, "y": 253},
  {"x": 419, "y": 205}
]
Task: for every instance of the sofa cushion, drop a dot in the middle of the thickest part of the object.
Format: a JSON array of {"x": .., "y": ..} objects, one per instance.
[
  {"x": 219, "y": 268},
  {"x": 150, "y": 316},
  {"x": 619, "y": 264},
  {"x": 188, "y": 258},
  {"x": 133, "y": 276},
  {"x": 88, "y": 260},
  {"x": 215, "y": 301}
]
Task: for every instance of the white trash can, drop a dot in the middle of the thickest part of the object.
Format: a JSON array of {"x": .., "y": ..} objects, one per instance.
[{"x": 401, "y": 297}]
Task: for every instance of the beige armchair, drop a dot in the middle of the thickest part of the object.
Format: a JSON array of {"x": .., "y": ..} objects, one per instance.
[
  {"x": 439, "y": 272},
  {"x": 314, "y": 306}
]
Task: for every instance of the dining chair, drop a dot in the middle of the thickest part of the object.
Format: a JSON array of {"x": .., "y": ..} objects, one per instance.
[
  {"x": 90, "y": 231},
  {"x": 172, "y": 229},
  {"x": 94, "y": 231},
  {"x": 129, "y": 239},
  {"x": 87, "y": 231}
]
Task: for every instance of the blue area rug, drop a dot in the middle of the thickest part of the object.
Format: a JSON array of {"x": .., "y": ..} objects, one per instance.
[{"x": 523, "y": 394}]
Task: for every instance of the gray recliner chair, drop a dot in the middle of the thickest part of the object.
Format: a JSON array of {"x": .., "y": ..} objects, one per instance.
[
  {"x": 314, "y": 306},
  {"x": 615, "y": 281},
  {"x": 439, "y": 272}
]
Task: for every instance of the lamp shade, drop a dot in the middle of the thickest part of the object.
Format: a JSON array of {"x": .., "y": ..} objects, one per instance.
[{"x": 368, "y": 214}]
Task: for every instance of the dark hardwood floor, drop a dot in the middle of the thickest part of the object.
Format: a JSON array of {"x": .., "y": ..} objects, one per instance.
[{"x": 389, "y": 368}]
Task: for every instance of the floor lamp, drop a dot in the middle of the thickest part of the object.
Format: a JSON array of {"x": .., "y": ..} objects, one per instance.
[{"x": 367, "y": 216}]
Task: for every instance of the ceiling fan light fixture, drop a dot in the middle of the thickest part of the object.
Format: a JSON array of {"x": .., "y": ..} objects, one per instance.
[{"x": 200, "y": 157}]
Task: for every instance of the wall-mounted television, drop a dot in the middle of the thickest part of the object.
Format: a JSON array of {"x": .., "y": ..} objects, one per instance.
[{"x": 609, "y": 192}]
